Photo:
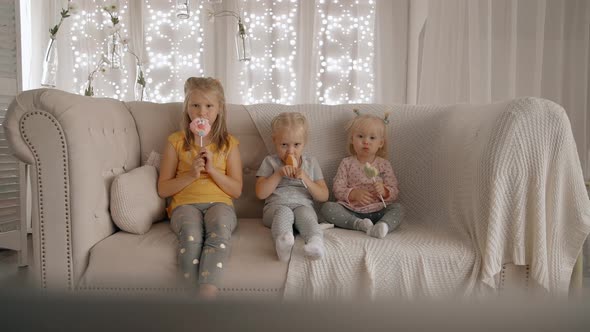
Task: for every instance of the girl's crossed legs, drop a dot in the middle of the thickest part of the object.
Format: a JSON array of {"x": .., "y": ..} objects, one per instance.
[{"x": 385, "y": 220}]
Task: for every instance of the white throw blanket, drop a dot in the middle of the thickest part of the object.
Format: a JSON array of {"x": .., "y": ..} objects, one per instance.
[{"x": 482, "y": 186}]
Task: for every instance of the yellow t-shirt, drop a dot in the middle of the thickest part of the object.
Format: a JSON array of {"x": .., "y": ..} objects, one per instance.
[{"x": 203, "y": 190}]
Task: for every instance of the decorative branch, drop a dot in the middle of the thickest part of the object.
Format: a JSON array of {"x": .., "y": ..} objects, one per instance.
[
  {"x": 89, "y": 91},
  {"x": 140, "y": 77},
  {"x": 65, "y": 13}
]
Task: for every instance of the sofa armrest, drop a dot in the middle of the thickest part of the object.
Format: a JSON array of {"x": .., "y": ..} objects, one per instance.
[
  {"x": 76, "y": 146},
  {"x": 534, "y": 209},
  {"x": 506, "y": 176}
]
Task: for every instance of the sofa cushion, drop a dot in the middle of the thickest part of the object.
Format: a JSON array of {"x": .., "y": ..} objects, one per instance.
[
  {"x": 129, "y": 261},
  {"x": 135, "y": 203},
  {"x": 125, "y": 261}
]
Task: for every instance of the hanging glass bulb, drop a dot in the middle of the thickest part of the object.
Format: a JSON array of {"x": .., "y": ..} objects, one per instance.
[
  {"x": 242, "y": 42},
  {"x": 49, "y": 74},
  {"x": 114, "y": 50},
  {"x": 183, "y": 9},
  {"x": 139, "y": 88}
]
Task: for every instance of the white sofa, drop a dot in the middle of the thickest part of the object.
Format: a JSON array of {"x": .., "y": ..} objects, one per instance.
[{"x": 77, "y": 145}]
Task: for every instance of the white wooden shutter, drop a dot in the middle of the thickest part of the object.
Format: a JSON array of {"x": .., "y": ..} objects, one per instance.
[{"x": 9, "y": 166}]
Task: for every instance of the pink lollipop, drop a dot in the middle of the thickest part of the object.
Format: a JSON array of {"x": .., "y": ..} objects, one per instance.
[{"x": 201, "y": 127}]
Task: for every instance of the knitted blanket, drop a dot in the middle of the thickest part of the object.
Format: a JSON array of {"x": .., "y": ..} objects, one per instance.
[{"x": 482, "y": 186}]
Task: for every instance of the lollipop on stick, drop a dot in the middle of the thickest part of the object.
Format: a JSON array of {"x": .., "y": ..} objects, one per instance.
[
  {"x": 201, "y": 127},
  {"x": 292, "y": 161},
  {"x": 372, "y": 172}
]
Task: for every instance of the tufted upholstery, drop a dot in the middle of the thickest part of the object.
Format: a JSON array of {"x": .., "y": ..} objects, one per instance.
[{"x": 76, "y": 146}]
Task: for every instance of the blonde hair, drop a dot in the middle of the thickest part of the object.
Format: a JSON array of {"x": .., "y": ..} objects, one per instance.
[
  {"x": 219, "y": 134},
  {"x": 364, "y": 121},
  {"x": 289, "y": 120}
]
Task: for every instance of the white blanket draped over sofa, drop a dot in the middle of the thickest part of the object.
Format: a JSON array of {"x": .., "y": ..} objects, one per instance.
[{"x": 481, "y": 187}]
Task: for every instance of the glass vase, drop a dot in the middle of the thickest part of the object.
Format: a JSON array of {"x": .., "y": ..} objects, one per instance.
[
  {"x": 89, "y": 91},
  {"x": 183, "y": 9},
  {"x": 242, "y": 43},
  {"x": 50, "y": 62},
  {"x": 114, "y": 50},
  {"x": 139, "y": 83}
]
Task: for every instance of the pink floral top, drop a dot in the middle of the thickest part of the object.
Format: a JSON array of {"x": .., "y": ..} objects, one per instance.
[{"x": 350, "y": 176}]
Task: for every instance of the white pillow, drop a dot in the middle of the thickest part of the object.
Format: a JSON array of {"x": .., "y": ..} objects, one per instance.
[
  {"x": 135, "y": 203},
  {"x": 154, "y": 160}
]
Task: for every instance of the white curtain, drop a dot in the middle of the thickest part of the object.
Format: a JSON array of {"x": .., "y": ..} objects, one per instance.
[
  {"x": 337, "y": 51},
  {"x": 302, "y": 51},
  {"x": 480, "y": 51}
]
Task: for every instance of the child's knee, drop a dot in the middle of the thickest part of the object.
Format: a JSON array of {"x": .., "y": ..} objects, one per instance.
[
  {"x": 190, "y": 232},
  {"x": 283, "y": 214},
  {"x": 328, "y": 208},
  {"x": 220, "y": 217},
  {"x": 220, "y": 231}
]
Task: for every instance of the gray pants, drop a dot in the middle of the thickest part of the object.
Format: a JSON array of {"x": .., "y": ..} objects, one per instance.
[
  {"x": 281, "y": 218},
  {"x": 342, "y": 217},
  {"x": 204, "y": 231}
]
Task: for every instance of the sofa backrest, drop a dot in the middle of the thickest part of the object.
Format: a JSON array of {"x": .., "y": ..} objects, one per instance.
[{"x": 156, "y": 121}]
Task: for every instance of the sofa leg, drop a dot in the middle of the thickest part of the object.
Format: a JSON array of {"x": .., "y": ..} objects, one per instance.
[
  {"x": 514, "y": 279},
  {"x": 577, "y": 280}
]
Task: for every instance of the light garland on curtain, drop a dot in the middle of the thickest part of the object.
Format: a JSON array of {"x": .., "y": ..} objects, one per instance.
[
  {"x": 351, "y": 72},
  {"x": 88, "y": 32},
  {"x": 242, "y": 38},
  {"x": 270, "y": 75},
  {"x": 174, "y": 49}
]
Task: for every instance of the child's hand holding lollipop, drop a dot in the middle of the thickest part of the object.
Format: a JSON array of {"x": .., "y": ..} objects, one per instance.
[
  {"x": 372, "y": 172},
  {"x": 292, "y": 161}
]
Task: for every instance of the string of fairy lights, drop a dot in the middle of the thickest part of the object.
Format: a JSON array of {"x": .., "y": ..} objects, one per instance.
[
  {"x": 270, "y": 76},
  {"x": 88, "y": 32},
  {"x": 174, "y": 48},
  {"x": 348, "y": 27}
]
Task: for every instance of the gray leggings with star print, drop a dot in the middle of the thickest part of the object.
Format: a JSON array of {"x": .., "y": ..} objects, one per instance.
[{"x": 204, "y": 231}]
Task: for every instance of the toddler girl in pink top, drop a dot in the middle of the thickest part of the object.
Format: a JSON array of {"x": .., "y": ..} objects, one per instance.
[{"x": 365, "y": 203}]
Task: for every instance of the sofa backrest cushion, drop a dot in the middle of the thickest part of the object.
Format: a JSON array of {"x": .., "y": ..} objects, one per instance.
[{"x": 154, "y": 123}]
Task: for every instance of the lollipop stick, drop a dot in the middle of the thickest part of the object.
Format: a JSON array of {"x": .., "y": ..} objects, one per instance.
[
  {"x": 382, "y": 200},
  {"x": 304, "y": 183},
  {"x": 201, "y": 140}
]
